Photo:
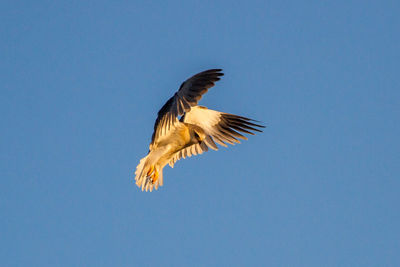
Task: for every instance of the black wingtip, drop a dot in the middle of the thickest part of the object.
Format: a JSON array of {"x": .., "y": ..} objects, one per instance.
[
  {"x": 214, "y": 71},
  {"x": 241, "y": 124}
]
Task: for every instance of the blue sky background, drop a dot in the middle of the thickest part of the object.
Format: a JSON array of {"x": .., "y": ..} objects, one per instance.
[{"x": 82, "y": 81}]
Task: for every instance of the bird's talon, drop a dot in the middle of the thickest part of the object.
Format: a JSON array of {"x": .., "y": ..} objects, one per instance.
[{"x": 155, "y": 177}]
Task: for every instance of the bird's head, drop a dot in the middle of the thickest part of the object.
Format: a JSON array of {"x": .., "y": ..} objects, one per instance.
[{"x": 199, "y": 134}]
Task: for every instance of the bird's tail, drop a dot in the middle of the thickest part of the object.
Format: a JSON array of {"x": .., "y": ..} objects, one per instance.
[{"x": 148, "y": 174}]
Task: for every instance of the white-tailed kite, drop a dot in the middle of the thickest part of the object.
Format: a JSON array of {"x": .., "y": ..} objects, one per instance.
[{"x": 197, "y": 129}]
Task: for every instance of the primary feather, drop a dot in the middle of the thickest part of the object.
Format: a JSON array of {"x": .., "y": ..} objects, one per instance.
[{"x": 197, "y": 130}]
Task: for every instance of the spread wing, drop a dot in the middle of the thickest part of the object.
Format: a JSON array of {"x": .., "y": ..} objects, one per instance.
[
  {"x": 183, "y": 100},
  {"x": 219, "y": 127}
]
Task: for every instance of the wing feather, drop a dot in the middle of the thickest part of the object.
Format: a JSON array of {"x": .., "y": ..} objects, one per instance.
[
  {"x": 193, "y": 150},
  {"x": 221, "y": 127},
  {"x": 210, "y": 143}
]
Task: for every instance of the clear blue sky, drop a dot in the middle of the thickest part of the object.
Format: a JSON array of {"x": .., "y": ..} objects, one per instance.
[{"x": 82, "y": 81}]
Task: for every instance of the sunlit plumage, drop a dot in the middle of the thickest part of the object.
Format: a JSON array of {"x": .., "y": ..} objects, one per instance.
[{"x": 197, "y": 129}]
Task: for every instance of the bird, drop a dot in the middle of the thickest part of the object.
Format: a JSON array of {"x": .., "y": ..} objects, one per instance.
[{"x": 183, "y": 129}]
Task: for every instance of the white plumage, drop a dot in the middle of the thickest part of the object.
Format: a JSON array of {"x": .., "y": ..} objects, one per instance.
[{"x": 197, "y": 130}]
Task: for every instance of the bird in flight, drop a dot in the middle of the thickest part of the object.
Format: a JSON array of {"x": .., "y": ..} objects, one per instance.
[{"x": 183, "y": 129}]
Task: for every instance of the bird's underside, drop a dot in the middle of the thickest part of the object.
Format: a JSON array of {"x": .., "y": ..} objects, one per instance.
[{"x": 197, "y": 129}]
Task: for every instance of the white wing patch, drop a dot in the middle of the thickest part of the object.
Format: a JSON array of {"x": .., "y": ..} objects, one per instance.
[{"x": 214, "y": 124}]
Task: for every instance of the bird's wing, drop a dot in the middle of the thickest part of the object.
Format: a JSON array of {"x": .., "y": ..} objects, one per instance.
[
  {"x": 189, "y": 93},
  {"x": 221, "y": 127}
]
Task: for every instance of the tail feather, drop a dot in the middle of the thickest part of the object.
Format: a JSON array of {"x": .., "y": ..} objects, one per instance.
[{"x": 139, "y": 171}]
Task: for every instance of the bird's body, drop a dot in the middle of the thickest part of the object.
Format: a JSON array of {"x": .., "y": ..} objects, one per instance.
[{"x": 192, "y": 134}]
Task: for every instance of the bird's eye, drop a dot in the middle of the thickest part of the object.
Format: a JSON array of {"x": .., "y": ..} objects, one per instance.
[{"x": 196, "y": 135}]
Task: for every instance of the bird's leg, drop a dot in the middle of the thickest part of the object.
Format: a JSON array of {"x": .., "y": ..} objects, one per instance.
[{"x": 150, "y": 170}]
